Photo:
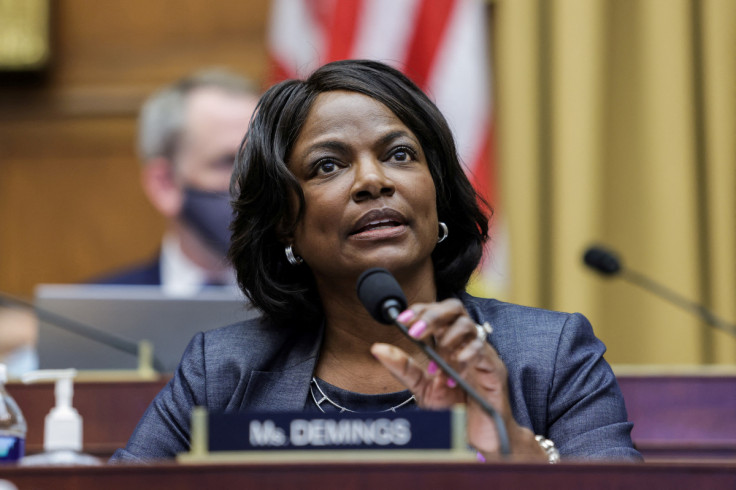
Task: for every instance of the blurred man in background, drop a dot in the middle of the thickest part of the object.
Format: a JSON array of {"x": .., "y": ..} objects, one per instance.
[{"x": 189, "y": 134}]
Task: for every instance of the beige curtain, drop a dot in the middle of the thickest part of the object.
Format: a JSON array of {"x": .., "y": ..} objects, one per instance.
[{"x": 616, "y": 124}]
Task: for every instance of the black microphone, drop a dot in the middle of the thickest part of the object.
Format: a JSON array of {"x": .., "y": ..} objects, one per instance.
[
  {"x": 78, "y": 328},
  {"x": 382, "y": 296},
  {"x": 602, "y": 260},
  {"x": 608, "y": 263}
]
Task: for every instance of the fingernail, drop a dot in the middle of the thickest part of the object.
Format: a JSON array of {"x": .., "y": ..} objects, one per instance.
[
  {"x": 405, "y": 316},
  {"x": 431, "y": 367},
  {"x": 480, "y": 457},
  {"x": 451, "y": 383},
  {"x": 417, "y": 329}
]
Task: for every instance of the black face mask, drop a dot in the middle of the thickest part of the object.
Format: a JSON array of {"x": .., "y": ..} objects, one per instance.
[{"x": 210, "y": 214}]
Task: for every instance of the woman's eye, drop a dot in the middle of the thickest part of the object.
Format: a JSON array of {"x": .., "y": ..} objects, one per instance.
[
  {"x": 402, "y": 155},
  {"x": 326, "y": 167}
]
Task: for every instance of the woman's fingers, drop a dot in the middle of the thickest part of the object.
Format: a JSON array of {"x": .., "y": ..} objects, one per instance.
[
  {"x": 446, "y": 323},
  {"x": 457, "y": 340},
  {"x": 456, "y": 336},
  {"x": 428, "y": 385},
  {"x": 425, "y": 320},
  {"x": 465, "y": 347},
  {"x": 400, "y": 365},
  {"x": 470, "y": 351}
]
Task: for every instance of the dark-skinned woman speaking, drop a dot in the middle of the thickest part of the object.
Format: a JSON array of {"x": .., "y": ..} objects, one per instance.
[{"x": 355, "y": 168}]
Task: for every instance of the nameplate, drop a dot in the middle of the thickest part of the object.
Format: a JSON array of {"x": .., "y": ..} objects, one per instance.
[{"x": 253, "y": 431}]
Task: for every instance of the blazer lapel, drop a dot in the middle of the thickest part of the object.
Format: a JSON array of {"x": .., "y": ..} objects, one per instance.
[
  {"x": 279, "y": 391},
  {"x": 285, "y": 390}
]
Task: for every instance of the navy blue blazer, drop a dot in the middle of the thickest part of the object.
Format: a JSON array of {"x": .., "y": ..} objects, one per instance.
[
  {"x": 147, "y": 274},
  {"x": 559, "y": 384}
]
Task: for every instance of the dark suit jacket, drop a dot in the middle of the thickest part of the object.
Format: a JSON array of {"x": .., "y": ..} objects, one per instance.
[
  {"x": 148, "y": 274},
  {"x": 559, "y": 384}
]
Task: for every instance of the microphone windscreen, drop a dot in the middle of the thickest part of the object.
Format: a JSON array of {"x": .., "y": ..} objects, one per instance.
[
  {"x": 375, "y": 287},
  {"x": 602, "y": 260}
]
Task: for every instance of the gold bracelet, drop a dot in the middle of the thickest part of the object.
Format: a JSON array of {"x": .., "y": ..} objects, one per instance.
[{"x": 553, "y": 455}]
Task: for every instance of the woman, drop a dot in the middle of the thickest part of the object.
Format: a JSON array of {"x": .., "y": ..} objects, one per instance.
[{"x": 356, "y": 168}]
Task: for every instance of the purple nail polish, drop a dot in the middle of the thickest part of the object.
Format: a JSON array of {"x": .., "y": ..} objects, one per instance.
[
  {"x": 405, "y": 316},
  {"x": 451, "y": 383},
  {"x": 432, "y": 367},
  {"x": 417, "y": 329}
]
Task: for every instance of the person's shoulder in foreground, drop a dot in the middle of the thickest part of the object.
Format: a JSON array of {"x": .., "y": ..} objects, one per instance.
[{"x": 560, "y": 385}]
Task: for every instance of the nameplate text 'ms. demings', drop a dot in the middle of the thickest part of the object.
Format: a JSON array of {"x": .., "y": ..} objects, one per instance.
[{"x": 250, "y": 431}]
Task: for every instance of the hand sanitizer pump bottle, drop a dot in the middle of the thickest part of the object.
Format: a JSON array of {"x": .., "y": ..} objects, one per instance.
[
  {"x": 62, "y": 436},
  {"x": 12, "y": 424}
]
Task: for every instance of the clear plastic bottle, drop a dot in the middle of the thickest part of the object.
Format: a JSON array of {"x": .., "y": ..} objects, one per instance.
[{"x": 12, "y": 424}]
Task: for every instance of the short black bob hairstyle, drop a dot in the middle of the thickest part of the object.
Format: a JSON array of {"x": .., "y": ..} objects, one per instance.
[{"x": 263, "y": 188}]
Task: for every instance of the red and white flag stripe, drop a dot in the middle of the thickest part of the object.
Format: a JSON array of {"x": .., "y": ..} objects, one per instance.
[{"x": 440, "y": 44}]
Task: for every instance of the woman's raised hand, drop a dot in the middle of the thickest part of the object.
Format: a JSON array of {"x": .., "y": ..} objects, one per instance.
[{"x": 456, "y": 339}]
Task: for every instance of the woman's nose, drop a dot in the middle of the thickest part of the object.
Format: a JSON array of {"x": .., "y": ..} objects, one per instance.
[{"x": 371, "y": 180}]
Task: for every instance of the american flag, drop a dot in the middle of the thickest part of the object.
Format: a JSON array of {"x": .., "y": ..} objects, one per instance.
[{"x": 440, "y": 44}]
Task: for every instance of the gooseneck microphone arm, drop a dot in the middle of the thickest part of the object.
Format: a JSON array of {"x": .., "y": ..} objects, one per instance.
[
  {"x": 696, "y": 309},
  {"x": 78, "y": 328},
  {"x": 382, "y": 296},
  {"x": 607, "y": 263}
]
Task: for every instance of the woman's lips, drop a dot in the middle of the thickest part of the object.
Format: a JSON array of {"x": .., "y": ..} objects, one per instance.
[
  {"x": 379, "y": 223},
  {"x": 382, "y": 229}
]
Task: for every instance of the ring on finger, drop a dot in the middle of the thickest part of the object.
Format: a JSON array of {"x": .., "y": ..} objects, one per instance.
[{"x": 483, "y": 331}]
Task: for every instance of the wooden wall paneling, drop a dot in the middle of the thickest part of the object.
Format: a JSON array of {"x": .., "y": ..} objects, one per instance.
[
  {"x": 138, "y": 41},
  {"x": 72, "y": 206}
]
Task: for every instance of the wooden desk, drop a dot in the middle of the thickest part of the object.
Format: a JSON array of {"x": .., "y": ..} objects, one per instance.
[
  {"x": 347, "y": 476},
  {"x": 676, "y": 416},
  {"x": 682, "y": 414}
]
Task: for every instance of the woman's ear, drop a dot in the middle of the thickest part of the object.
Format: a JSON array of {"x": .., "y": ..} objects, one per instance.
[
  {"x": 284, "y": 232},
  {"x": 286, "y": 227},
  {"x": 159, "y": 184}
]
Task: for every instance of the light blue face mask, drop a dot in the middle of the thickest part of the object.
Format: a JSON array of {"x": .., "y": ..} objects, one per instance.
[{"x": 210, "y": 214}]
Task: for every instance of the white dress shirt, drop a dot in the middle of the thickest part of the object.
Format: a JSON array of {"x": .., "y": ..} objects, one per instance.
[{"x": 180, "y": 276}]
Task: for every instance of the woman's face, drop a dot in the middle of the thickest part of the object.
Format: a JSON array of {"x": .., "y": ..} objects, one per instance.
[{"x": 369, "y": 196}]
